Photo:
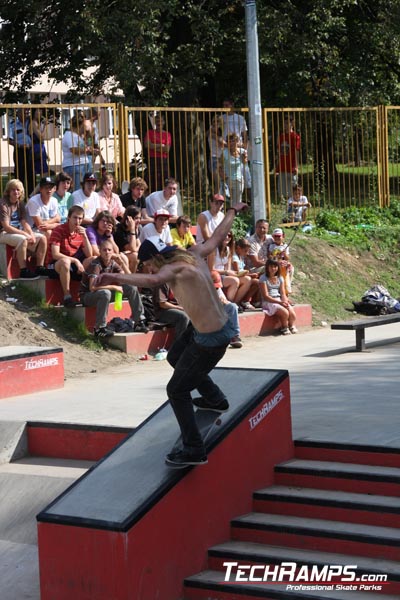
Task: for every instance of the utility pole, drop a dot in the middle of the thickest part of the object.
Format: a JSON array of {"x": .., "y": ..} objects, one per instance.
[{"x": 256, "y": 154}]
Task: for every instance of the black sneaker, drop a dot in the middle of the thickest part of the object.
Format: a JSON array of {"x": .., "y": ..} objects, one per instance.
[
  {"x": 202, "y": 404},
  {"x": 182, "y": 458},
  {"x": 41, "y": 271},
  {"x": 103, "y": 332},
  {"x": 141, "y": 327},
  {"x": 69, "y": 303},
  {"x": 26, "y": 274},
  {"x": 236, "y": 342}
]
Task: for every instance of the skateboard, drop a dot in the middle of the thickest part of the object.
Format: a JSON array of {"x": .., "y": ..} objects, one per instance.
[{"x": 207, "y": 421}]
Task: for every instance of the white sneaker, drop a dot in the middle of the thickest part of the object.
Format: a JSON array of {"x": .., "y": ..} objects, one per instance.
[
  {"x": 285, "y": 331},
  {"x": 294, "y": 329}
]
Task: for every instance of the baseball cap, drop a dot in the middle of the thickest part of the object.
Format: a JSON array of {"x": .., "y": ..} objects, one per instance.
[
  {"x": 216, "y": 277},
  {"x": 152, "y": 246},
  {"x": 47, "y": 181},
  {"x": 89, "y": 177},
  {"x": 162, "y": 212},
  {"x": 218, "y": 198},
  {"x": 277, "y": 232}
]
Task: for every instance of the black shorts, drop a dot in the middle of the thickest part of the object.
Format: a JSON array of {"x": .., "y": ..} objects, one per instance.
[{"x": 52, "y": 273}]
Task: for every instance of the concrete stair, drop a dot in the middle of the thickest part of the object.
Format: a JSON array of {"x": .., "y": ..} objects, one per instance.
[{"x": 317, "y": 514}]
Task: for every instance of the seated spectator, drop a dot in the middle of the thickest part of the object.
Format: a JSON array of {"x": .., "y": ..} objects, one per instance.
[
  {"x": 259, "y": 242},
  {"x": 167, "y": 309},
  {"x": 135, "y": 197},
  {"x": 99, "y": 231},
  {"x": 242, "y": 249},
  {"x": 235, "y": 288},
  {"x": 68, "y": 247},
  {"x": 109, "y": 200},
  {"x": 63, "y": 195},
  {"x": 16, "y": 231},
  {"x": 87, "y": 198},
  {"x": 165, "y": 199},
  {"x": 230, "y": 308},
  {"x": 75, "y": 152},
  {"x": 100, "y": 296},
  {"x": 159, "y": 228},
  {"x": 181, "y": 234},
  {"x": 208, "y": 220},
  {"x": 274, "y": 299},
  {"x": 298, "y": 205},
  {"x": 279, "y": 250},
  {"x": 127, "y": 236},
  {"x": 158, "y": 144},
  {"x": 42, "y": 208}
]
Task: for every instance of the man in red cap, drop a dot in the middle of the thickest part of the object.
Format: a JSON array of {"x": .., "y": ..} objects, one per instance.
[{"x": 197, "y": 351}]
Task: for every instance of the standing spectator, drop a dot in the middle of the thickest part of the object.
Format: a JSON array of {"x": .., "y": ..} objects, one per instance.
[
  {"x": 234, "y": 123},
  {"x": 42, "y": 208},
  {"x": 135, "y": 197},
  {"x": 16, "y": 231},
  {"x": 168, "y": 310},
  {"x": 274, "y": 299},
  {"x": 181, "y": 234},
  {"x": 208, "y": 220},
  {"x": 127, "y": 236},
  {"x": 216, "y": 144},
  {"x": 91, "y": 136},
  {"x": 158, "y": 144},
  {"x": 37, "y": 155},
  {"x": 68, "y": 247},
  {"x": 166, "y": 199},
  {"x": 100, "y": 296},
  {"x": 109, "y": 200},
  {"x": 88, "y": 198},
  {"x": 259, "y": 242},
  {"x": 19, "y": 138},
  {"x": 233, "y": 161},
  {"x": 159, "y": 228},
  {"x": 298, "y": 205},
  {"x": 288, "y": 147},
  {"x": 63, "y": 195},
  {"x": 73, "y": 146}
]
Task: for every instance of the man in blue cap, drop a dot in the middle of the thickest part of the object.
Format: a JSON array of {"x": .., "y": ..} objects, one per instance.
[{"x": 197, "y": 351}]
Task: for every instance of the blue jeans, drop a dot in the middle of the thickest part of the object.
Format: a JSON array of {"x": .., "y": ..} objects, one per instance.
[
  {"x": 192, "y": 363},
  {"x": 76, "y": 172}
]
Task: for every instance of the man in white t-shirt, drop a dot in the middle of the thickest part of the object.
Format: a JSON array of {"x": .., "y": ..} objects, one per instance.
[
  {"x": 87, "y": 198},
  {"x": 234, "y": 123},
  {"x": 159, "y": 228},
  {"x": 42, "y": 208},
  {"x": 166, "y": 199}
]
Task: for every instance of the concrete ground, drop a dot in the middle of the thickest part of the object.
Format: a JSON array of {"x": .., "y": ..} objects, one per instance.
[{"x": 337, "y": 395}]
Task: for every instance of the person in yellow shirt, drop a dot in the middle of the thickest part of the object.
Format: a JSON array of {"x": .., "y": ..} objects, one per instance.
[{"x": 182, "y": 236}]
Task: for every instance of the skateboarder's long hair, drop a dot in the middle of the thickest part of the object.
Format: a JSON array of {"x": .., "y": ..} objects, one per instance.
[{"x": 178, "y": 255}]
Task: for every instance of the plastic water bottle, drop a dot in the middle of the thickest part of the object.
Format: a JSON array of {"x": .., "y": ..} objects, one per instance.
[
  {"x": 118, "y": 301},
  {"x": 161, "y": 354}
]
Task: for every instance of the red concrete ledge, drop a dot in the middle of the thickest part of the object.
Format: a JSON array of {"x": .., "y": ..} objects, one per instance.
[
  {"x": 73, "y": 441},
  {"x": 384, "y": 456},
  {"x": 27, "y": 369},
  {"x": 9, "y": 267},
  {"x": 255, "y": 322}
]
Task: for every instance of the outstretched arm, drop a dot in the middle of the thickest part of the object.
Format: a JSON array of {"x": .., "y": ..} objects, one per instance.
[
  {"x": 221, "y": 231},
  {"x": 165, "y": 275}
]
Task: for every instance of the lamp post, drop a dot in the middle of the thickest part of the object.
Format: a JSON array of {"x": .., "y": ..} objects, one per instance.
[{"x": 255, "y": 113}]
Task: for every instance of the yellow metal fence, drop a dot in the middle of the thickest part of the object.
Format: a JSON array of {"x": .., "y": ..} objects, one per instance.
[{"x": 341, "y": 157}]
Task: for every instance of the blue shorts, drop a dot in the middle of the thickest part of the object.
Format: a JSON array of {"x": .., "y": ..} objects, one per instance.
[{"x": 215, "y": 339}]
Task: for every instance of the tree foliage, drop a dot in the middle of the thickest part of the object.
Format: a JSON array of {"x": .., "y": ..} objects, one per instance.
[{"x": 159, "y": 52}]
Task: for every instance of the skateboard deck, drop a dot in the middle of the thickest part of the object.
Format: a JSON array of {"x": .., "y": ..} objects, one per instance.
[{"x": 207, "y": 421}]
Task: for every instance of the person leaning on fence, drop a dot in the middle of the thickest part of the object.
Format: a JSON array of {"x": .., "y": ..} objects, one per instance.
[
  {"x": 100, "y": 296},
  {"x": 232, "y": 163},
  {"x": 42, "y": 208},
  {"x": 37, "y": 155},
  {"x": 287, "y": 158},
  {"x": 127, "y": 236},
  {"x": 135, "y": 197},
  {"x": 68, "y": 247},
  {"x": 62, "y": 194},
  {"x": 166, "y": 199},
  {"x": 16, "y": 231},
  {"x": 74, "y": 151},
  {"x": 181, "y": 234},
  {"x": 19, "y": 138},
  {"x": 274, "y": 299},
  {"x": 157, "y": 142}
]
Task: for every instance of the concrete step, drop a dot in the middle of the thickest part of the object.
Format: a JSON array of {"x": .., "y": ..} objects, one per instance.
[
  {"x": 328, "y": 504},
  {"x": 318, "y": 534},
  {"x": 352, "y": 453},
  {"x": 349, "y": 477},
  {"x": 211, "y": 585},
  {"x": 250, "y": 553}
]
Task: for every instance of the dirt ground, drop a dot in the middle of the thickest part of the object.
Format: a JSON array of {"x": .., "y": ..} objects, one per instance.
[{"x": 20, "y": 326}]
